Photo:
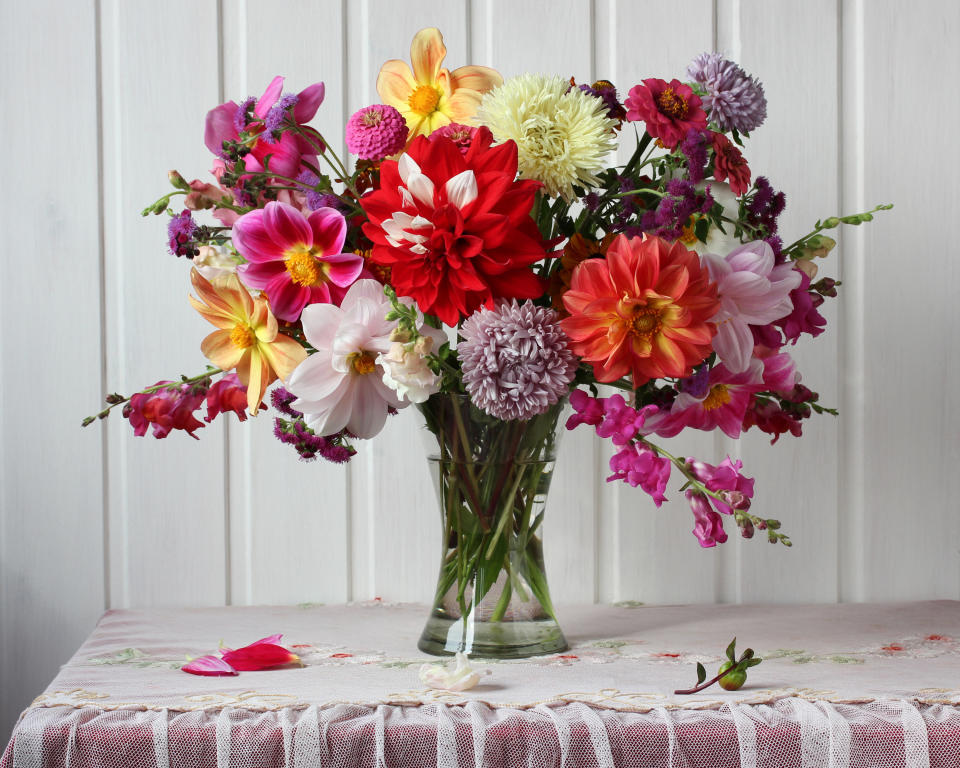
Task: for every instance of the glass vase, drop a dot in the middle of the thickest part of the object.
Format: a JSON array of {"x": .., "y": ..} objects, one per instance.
[{"x": 492, "y": 599}]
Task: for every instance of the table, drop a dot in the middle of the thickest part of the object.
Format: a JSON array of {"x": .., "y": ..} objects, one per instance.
[{"x": 840, "y": 685}]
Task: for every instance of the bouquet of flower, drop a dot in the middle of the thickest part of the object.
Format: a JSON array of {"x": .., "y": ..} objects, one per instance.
[{"x": 484, "y": 259}]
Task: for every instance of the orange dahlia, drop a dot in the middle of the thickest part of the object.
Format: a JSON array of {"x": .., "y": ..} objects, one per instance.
[{"x": 644, "y": 310}]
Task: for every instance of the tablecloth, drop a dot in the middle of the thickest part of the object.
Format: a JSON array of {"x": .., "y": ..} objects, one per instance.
[{"x": 840, "y": 685}]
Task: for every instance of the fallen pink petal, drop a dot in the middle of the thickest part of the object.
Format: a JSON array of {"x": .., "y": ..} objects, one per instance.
[
  {"x": 263, "y": 654},
  {"x": 210, "y": 666}
]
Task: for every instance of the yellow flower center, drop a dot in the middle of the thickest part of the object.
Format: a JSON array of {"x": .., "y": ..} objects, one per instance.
[
  {"x": 242, "y": 335},
  {"x": 424, "y": 100},
  {"x": 371, "y": 118},
  {"x": 719, "y": 396},
  {"x": 688, "y": 236},
  {"x": 672, "y": 105},
  {"x": 645, "y": 322},
  {"x": 363, "y": 362},
  {"x": 303, "y": 267}
]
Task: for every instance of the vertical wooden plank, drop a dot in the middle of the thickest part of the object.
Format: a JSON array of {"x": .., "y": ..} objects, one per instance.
[
  {"x": 796, "y": 479},
  {"x": 570, "y": 525},
  {"x": 911, "y": 317},
  {"x": 645, "y": 553},
  {"x": 288, "y": 518},
  {"x": 51, "y": 471},
  {"x": 395, "y": 515},
  {"x": 160, "y": 76}
]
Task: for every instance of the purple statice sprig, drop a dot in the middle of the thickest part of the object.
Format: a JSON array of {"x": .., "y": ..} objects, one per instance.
[
  {"x": 681, "y": 201},
  {"x": 294, "y": 431},
  {"x": 181, "y": 234}
]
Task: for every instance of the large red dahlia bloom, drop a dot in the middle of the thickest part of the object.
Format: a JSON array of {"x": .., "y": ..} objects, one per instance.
[{"x": 455, "y": 229}]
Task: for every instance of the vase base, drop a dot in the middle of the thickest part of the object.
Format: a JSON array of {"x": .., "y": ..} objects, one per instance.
[{"x": 444, "y": 636}]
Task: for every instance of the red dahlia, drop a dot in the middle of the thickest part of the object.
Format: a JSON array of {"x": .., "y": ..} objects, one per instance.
[{"x": 455, "y": 230}]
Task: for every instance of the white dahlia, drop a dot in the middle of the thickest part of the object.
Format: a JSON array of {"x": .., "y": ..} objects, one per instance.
[{"x": 563, "y": 134}]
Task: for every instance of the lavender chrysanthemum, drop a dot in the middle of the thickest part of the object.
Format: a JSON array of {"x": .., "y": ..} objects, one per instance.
[
  {"x": 516, "y": 360},
  {"x": 733, "y": 99}
]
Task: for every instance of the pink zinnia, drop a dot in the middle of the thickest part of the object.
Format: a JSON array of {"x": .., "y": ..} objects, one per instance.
[
  {"x": 461, "y": 135},
  {"x": 376, "y": 132},
  {"x": 295, "y": 260},
  {"x": 670, "y": 110},
  {"x": 722, "y": 406},
  {"x": 752, "y": 291}
]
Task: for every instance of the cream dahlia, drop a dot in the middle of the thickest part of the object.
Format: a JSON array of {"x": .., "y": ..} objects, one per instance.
[{"x": 563, "y": 135}]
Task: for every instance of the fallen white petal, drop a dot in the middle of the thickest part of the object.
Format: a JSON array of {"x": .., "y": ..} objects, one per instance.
[{"x": 461, "y": 678}]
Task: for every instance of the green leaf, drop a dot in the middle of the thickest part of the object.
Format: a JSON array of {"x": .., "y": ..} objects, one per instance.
[
  {"x": 753, "y": 662},
  {"x": 701, "y": 673},
  {"x": 732, "y": 650}
]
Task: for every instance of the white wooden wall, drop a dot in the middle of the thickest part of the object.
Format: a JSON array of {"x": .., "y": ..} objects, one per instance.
[{"x": 102, "y": 97}]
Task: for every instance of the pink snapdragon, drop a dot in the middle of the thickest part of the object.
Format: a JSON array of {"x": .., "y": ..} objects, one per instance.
[
  {"x": 752, "y": 291},
  {"x": 708, "y": 526},
  {"x": 637, "y": 464},
  {"x": 168, "y": 408},
  {"x": 726, "y": 479},
  {"x": 294, "y": 259}
]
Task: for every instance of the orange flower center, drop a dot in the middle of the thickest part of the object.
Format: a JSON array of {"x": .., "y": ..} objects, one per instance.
[
  {"x": 363, "y": 362},
  {"x": 672, "y": 105},
  {"x": 303, "y": 267},
  {"x": 242, "y": 335},
  {"x": 645, "y": 322},
  {"x": 688, "y": 237},
  {"x": 424, "y": 99},
  {"x": 719, "y": 396}
]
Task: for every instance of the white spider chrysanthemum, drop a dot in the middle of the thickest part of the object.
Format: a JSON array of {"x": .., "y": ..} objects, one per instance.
[{"x": 563, "y": 135}]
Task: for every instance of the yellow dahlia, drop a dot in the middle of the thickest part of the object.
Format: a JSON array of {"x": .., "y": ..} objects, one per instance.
[
  {"x": 563, "y": 134},
  {"x": 432, "y": 96}
]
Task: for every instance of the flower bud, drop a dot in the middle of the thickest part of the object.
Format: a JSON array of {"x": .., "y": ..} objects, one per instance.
[
  {"x": 832, "y": 222},
  {"x": 746, "y": 529},
  {"x": 736, "y": 499},
  {"x": 177, "y": 181}
]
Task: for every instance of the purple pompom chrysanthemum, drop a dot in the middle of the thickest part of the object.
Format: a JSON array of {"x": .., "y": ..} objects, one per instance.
[
  {"x": 733, "y": 99},
  {"x": 516, "y": 360}
]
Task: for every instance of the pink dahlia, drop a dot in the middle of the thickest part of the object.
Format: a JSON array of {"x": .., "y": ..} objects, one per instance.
[
  {"x": 670, "y": 110},
  {"x": 752, "y": 291},
  {"x": 295, "y": 260},
  {"x": 516, "y": 360},
  {"x": 722, "y": 405},
  {"x": 376, "y": 132}
]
